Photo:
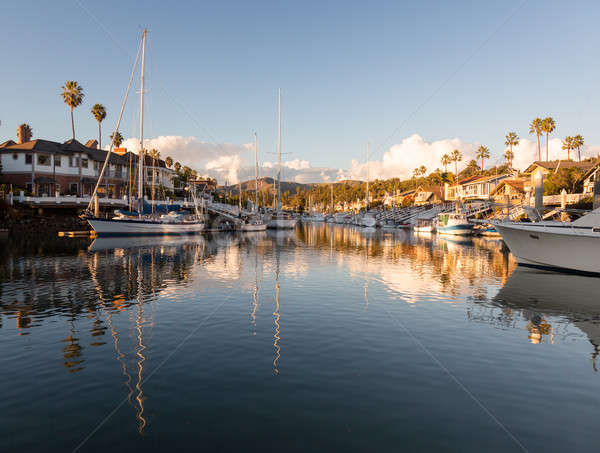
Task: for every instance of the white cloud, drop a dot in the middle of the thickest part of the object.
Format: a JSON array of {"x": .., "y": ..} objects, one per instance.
[{"x": 232, "y": 162}]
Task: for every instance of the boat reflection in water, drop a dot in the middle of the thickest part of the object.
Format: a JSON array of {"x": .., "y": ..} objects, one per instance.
[{"x": 541, "y": 295}]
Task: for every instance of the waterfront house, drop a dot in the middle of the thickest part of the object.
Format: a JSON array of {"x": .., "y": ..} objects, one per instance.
[
  {"x": 545, "y": 167},
  {"x": 514, "y": 191},
  {"x": 589, "y": 178},
  {"x": 427, "y": 195},
  {"x": 474, "y": 187},
  {"x": 47, "y": 168}
]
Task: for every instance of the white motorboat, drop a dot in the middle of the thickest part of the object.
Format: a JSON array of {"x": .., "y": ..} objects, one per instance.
[
  {"x": 572, "y": 246},
  {"x": 282, "y": 221},
  {"x": 454, "y": 223},
  {"x": 253, "y": 224},
  {"x": 424, "y": 226},
  {"x": 368, "y": 220}
]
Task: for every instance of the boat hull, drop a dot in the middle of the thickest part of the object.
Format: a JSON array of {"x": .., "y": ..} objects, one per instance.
[
  {"x": 368, "y": 222},
  {"x": 556, "y": 248},
  {"x": 456, "y": 230},
  {"x": 112, "y": 227},
  {"x": 253, "y": 227},
  {"x": 282, "y": 224}
]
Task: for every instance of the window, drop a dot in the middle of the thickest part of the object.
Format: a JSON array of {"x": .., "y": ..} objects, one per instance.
[
  {"x": 57, "y": 161},
  {"x": 43, "y": 159},
  {"x": 70, "y": 161},
  {"x": 28, "y": 159},
  {"x": 84, "y": 163},
  {"x": 15, "y": 156},
  {"x": 73, "y": 188}
]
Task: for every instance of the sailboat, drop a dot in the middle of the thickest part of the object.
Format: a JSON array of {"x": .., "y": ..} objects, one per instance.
[
  {"x": 280, "y": 220},
  {"x": 142, "y": 222},
  {"x": 254, "y": 222},
  {"x": 368, "y": 219}
]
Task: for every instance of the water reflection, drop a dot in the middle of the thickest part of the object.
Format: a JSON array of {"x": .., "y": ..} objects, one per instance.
[{"x": 101, "y": 298}]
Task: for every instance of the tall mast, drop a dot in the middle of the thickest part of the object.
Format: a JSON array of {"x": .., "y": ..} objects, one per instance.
[
  {"x": 278, "y": 149},
  {"x": 141, "y": 156},
  {"x": 332, "y": 209},
  {"x": 256, "y": 170},
  {"x": 367, "y": 197}
]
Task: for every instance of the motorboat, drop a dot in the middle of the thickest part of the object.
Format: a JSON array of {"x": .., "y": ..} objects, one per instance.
[
  {"x": 424, "y": 226},
  {"x": 368, "y": 220},
  {"x": 281, "y": 220},
  {"x": 566, "y": 246},
  {"x": 454, "y": 223}
]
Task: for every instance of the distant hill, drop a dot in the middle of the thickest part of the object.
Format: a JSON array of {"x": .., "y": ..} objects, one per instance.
[{"x": 269, "y": 184}]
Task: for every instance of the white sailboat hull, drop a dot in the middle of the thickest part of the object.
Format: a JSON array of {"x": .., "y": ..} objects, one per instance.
[
  {"x": 556, "y": 247},
  {"x": 114, "y": 227},
  {"x": 368, "y": 221},
  {"x": 282, "y": 224}
]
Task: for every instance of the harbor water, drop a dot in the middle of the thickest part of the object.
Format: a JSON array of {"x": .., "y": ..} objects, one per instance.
[{"x": 325, "y": 338}]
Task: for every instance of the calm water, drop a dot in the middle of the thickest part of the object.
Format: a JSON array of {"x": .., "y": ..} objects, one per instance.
[{"x": 328, "y": 338}]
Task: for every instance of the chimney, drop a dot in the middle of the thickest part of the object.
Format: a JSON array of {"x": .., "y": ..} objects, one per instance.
[{"x": 23, "y": 134}]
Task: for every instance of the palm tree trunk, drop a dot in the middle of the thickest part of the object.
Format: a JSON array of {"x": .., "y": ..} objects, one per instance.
[
  {"x": 547, "y": 133},
  {"x": 99, "y": 136},
  {"x": 72, "y": 124},
  {"x": 539, "y": 148}
]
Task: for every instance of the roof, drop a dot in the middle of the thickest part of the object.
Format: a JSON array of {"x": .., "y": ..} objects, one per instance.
[
  {"x": 7, "y": 143},
  {"x": 553, "y": 164},
  {"x": 480, "y": 179},
  {"x": 517, "y": 184},
  {"x": 432, "y": 190},
  {"x": 36, "y": 145},
  {"x": 92, "y": 143}
]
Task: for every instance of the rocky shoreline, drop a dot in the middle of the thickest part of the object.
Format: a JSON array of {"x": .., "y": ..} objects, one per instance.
[{"x": 31, "y": 222}]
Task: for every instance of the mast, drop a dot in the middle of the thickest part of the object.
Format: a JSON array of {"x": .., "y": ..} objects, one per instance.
[
  {"x": 367, "y": 194},
  {"x": 332, "y": 209},
  {"x": 256, "y": 171},
  {"x": 240, "y": 197},
  {"x": 278, "y": 150},
  {"x": 141, "y": 156}
]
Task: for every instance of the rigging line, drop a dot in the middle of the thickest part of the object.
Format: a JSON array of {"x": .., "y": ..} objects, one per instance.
[
  {"x": 171, "y": 98},
  {"x": 95, "y": 193},
  {"x": 381, "y": 146}
]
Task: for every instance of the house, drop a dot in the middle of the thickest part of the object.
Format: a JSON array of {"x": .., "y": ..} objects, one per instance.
[
  {"x": 427, "y": 195},
  {"x": 474, "y": 187},
  {"x": 545, "y": 167},
  {"x": 44, "y": 167},
  {"x": 513, "y": 191},
  {"x": 589, "y": 178}
]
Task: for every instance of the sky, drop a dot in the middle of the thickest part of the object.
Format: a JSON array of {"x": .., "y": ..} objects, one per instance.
[{"x": 415, "y": 79}]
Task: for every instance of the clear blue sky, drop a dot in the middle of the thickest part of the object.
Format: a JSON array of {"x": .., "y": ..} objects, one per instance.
[{"x": 350, "y": 71}]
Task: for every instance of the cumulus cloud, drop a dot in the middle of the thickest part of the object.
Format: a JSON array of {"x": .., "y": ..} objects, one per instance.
[{"x": 233, "y": 162}]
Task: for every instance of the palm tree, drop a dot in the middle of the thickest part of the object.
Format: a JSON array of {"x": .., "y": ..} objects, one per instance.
[
  {"x": 456, "y": 157},
  {"x": 509, "y": 156},
  {"x": 177, "y": 167},
  {"x": 169, "y": 161},
  {"x": 416, "y": 173},
  {"x": 445, "y": 162},
  {"x": 548, "y": 126},
  {"x": 536, "y": 128},
  {"x": 72, "y": 96},
  {"x": 26, "y": 132},
  {"x": 577, "y": 144},
  {"x": 116, "y": 139},
  {"x": 483, "y": 153},
  {"x": 99, "y": 113},
  {"x": 567, "y": 144},
  {"x": 155, "y": 155},
  {"x": 512, "y": 139}
]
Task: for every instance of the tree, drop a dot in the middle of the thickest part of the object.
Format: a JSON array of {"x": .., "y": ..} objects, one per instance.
[
  {"x": 578, "y": 144},
  {"x": 169, "y": 161},
  {"x": 26, "y": 132},
  {"x": 445, "y": 162},
  {"x": 177, "y": 167},
  {"x": 567, "y": 144},
  {"x": 536, "y": 128},
  {"x": 483, "y": 153},
  {"x": 116, "y": 139},
  {"x": 99, "y": 113},
  {"x": 456, "y": 157},
  {"x": 72, "y": 96},
  {"x": 548, "y": 126},
  {"x": 512, "y": 139},
  {"x": 509, "y": 156}
]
